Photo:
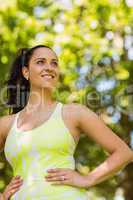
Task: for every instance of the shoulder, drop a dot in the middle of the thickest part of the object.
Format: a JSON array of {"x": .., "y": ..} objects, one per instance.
[
  {"x": 78, "y": 108},
  {"x": 5, "y": 124},
  {"x": 79, "y": 111},
  {"x": 72, "y": 108}
]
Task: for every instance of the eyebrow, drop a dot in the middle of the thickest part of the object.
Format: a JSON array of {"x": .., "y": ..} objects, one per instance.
[{"x": 45, "y": 59}]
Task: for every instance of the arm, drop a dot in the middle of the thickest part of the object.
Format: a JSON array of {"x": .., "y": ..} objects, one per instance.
[
  {"x": 2, "y": 138},
  {"x": 121, "y": 154},
  {"x": 2, "y": 197},
  {"x": 5, "y": 125},
  {"x": 16, "y": 182}
]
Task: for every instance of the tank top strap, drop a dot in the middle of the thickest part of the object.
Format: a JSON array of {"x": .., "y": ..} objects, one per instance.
[
  {"x": 59, "y": 115},
  {"x": 15, "y": 120},
  {"x": 57, "y": 111}
]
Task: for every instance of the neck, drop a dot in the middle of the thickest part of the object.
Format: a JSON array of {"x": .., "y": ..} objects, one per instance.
[{"x": 40, "y": 99}]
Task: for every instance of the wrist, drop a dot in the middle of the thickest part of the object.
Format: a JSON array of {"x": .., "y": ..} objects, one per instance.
[{"x": 88, "y": 182}]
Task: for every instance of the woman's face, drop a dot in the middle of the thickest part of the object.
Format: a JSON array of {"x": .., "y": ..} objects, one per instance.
[{"x": 43, "y": 69}]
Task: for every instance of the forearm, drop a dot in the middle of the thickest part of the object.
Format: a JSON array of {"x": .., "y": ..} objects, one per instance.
[
  {"x": 1, "y": 197},
  {"x": 115, "y": 162}
]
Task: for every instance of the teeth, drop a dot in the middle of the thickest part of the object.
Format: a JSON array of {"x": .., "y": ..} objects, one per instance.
[{"x": 48, "y": 75}]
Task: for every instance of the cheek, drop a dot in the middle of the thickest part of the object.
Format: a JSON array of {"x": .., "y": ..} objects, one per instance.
[
  {"x": 35, "y": 69},
  {"x": 34, "y": 73}
]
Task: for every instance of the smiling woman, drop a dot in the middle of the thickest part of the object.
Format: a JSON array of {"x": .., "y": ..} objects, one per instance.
[
  {"x": 40, "y": 136},
  {"x": 37, "y": 137}
]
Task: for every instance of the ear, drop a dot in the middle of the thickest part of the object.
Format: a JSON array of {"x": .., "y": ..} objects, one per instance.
[{"x": 25, "y": 72}]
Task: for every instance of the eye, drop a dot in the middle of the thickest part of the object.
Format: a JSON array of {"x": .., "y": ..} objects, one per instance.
[
  {"x": 40, "y": 62},
  {"x": 55, "y": 63}
]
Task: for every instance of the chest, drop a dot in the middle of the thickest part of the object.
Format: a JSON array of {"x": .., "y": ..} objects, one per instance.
[{"x": 31, "y": 122}]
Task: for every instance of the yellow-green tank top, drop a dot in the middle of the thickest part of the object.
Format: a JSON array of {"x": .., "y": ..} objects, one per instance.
[{"x": 31, "y": 153}]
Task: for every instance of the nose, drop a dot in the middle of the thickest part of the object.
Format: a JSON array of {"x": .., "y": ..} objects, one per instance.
[{"x": 48, "y": 66}]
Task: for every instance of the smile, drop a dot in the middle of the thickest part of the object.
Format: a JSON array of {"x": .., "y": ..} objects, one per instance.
[{"x": 48, "y": 76}]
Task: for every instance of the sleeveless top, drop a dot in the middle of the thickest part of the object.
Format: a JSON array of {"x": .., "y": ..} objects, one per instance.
[{"x": 31, "y": 153}]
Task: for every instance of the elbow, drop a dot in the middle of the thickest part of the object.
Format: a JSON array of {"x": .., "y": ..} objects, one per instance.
[
  {"x": 131, "y": 155},
  {"x": 127, "y": 153}
]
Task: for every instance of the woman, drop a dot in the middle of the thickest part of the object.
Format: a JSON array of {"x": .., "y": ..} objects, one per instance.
[{"x": 40, "y": 137}]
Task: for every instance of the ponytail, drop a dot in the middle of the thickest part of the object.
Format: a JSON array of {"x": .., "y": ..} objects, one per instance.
[{"x": 17, "y": 85}]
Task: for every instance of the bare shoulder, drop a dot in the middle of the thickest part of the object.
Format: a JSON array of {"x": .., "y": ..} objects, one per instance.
[
  {"x": 73, "y": 112},
  {"x": 77, "y": 107},
  {"x": 5, "y": 124},
  {"x": 77, "y": 110},
  {"x": 72, "y": 107}
]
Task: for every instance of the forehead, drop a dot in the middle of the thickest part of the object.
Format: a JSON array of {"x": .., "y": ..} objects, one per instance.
[{"x": 44, "y": 53}]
